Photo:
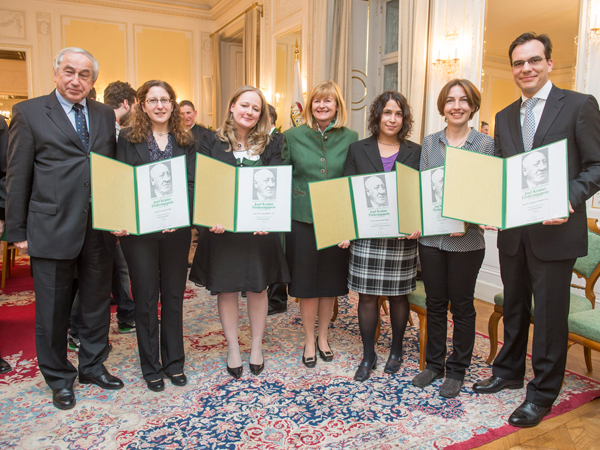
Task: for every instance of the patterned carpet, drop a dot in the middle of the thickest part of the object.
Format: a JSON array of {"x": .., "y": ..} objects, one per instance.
[{"x": 287, "y": 406}]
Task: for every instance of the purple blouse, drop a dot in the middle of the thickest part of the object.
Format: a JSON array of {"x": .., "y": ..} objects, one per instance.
[{"x": 388, "y": 163}]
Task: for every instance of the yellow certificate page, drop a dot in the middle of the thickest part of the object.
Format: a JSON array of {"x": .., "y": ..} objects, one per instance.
[
  {"x": 409, "y": 199},
  {"x": 113, "y": 195},
  {"x": 332, "y": 210},
  {"x": 473, "y": 185}
]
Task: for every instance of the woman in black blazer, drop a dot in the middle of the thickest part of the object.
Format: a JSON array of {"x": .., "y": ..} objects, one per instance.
[
  {"x": 158, "y": 261},
  {"x": 232, "y": 262},
  {"x": 383, "y": 266}
]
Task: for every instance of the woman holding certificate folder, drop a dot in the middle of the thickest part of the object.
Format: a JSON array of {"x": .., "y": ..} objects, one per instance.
[
  {"x": 451, "y": 263},
  {"x": 317, "y": 151},
  {"x": 383, "y": 266},
  {"x": 158, "y": 261},
  {"x": 232, "y": 262}
]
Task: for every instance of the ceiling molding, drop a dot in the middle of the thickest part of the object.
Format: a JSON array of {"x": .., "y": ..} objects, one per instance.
[
  {"x": 222, "y": 7},
  {"x": 149, "y": 7}
]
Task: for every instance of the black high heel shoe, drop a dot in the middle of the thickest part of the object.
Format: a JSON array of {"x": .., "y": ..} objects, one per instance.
[
  {"x": 364, "y": 370},
  {"x": 327, "y": 355},
  {"x": 309, "y": 362},
  {"x": 393, "y": 364},
  {"x": 235, "y": 372},
  {"x": 256, "y": 369}
]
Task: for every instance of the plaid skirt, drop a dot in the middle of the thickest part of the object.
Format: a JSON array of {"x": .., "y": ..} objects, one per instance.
[{"x": 383, "y": 266}]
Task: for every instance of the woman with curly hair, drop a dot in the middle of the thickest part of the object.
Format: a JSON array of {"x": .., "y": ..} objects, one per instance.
[
  {"x": 383, "y": 266},
  {"x": 228, "y": 263},
  {"x": 158, "y": 261}
]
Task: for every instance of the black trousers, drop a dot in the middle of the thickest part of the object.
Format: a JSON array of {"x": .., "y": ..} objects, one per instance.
[
  {"x": 450, "y": 277},
  {"x": 53, "y": 282},
  {"x": 158, "y": 268},
  {"x": 549, "y": 281}
]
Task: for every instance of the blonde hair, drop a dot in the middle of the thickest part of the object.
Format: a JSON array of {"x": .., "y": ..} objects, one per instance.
[
  {"x": 258, "y": 138},
  {"x": 325, "y": 89}
]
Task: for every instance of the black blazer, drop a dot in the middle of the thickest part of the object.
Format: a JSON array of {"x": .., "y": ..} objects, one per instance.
[
  {"x": 3, "y": 160},
  {"x": 215, "y": 148},
  {"x": 198, "y": 131},
  {"x": 48, "y": 176},
  {"x": 567, "y": 115},
  {"x": 363, "y": 157},
  {"x": 138, "y": 154}
]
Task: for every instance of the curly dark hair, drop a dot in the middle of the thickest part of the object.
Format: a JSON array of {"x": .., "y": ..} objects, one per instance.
[
  {"x": 376, "y": 110},
  {"x": 117, "y": 92},
  {"x": 141, "y": 127}
]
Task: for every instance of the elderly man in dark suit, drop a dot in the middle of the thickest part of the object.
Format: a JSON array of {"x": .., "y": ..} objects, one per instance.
[
  {"x": 49, "y": 216},
  {"x": 538, "y": 259}
]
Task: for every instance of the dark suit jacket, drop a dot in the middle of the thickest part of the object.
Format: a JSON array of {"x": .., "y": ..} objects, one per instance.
[
  {"x": 138, "y": 154},
  {"x": 212, "y": 146},
  {"x": 277, "y": 138},
  {"x": 3, "y": 161},
  {"x": 198, "y": 132},
  {"x": 363, "y": 157},
  {"x": 48, "y": 176},
  {"x": 567, "y": 115}
]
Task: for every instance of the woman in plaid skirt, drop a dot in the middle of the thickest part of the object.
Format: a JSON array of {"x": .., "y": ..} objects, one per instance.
[{"x": 383, "y": 266}]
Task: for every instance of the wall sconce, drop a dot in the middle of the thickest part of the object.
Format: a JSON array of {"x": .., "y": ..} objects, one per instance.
[
  {"x": 448, "y": 64},
  {"x": 595, "y": 29}
]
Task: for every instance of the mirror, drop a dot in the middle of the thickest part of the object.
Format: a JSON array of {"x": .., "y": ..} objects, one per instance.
[
  {"x": 559, "y": 19},
  {"x": 13, "y": 80}
]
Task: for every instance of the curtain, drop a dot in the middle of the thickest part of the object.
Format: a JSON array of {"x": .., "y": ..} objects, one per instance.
[
  {"x": 340, "y": 65},
  {"x": 317, "y": 35},
  {"x": 251, "y": 20},
  {"x": 216, "y": 78},
  {"x": 412, "y": 59}
]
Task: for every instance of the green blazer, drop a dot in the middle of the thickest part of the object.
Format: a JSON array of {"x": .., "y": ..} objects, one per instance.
[{"x": 314, "y": 157}]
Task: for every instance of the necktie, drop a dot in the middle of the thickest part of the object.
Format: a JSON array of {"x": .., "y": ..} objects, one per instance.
[
  {"x": 81, "y": 126},
  {"x": 529, "y": 123}
]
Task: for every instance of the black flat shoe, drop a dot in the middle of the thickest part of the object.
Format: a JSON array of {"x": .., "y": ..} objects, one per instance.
[
  {"x": 4, "y": 366},
  {"x": 179, "y": 380},
  {"x": 156, "y": 386},
  {"x": 327, "y": 355},
  {"x": 364, "y": 370},
  {"x": 393, "y": 364},
  {"x": 309, "y": 362},
  {"x": 235, "y": 372},
  {"x": 528, "y": 415},
  {"x": 63, "y": 398},
  {"x": 256, "y": 369}
]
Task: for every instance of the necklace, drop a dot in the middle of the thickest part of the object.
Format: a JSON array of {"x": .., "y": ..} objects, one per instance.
[
  {"x": 160, "y": 134},
  {"x": 461, "y": 142},
  {"x": 385, "y": 143},
  {"x": 239, "y": 145}
]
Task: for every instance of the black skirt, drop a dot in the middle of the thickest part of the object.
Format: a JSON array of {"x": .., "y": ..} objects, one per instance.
[
  {"x": 315, "y": 273},
  {"x": 234, "y": 262}
]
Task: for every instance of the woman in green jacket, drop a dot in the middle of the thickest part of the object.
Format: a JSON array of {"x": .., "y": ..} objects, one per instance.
[{"x": 317, "y": 151}]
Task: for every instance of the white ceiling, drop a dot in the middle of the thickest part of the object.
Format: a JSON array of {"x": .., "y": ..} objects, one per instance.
[{"x": 507, "y": 19}]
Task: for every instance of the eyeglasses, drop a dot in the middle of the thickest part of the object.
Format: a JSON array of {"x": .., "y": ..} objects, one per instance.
[
  {"x": 533, "y": 62},
  {"x": 154, "y": 101}
]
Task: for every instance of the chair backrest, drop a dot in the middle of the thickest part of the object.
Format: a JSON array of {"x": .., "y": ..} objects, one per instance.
[{"x": 588, "y": 267}]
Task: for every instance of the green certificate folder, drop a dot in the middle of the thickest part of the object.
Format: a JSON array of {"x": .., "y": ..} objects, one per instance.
[
  {"x": 141, "y": 199},
  {"x": 510, "y": 192},
  {"x": 356, "y": 207},
  {"x": 420, "y": 202},
  {"x": 242, "y": 199}
]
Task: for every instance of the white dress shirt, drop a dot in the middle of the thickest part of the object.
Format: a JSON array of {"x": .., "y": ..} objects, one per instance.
[
  {"x": 538, "y": 109},
  {"x": 68, "y": 107}
]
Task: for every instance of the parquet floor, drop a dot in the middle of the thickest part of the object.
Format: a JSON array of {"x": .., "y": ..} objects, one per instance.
[{"x": 575, "y": 430}]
